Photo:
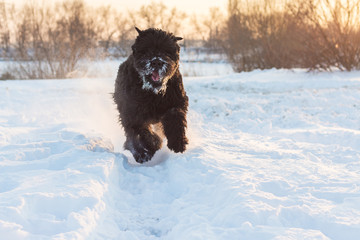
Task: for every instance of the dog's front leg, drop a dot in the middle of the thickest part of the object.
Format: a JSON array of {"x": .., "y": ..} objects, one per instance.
[
  {"x": 142, "y": 143},
  {"x": 174, "y": 124}
]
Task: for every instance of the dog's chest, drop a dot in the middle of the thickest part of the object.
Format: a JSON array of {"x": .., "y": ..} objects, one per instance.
[{"x": 152, "y": 107}]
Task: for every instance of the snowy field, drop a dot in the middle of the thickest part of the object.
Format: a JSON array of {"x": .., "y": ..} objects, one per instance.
[{"x": 273, "y": 155}]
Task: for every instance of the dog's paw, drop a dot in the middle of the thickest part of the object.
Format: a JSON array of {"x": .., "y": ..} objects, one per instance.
[
  {"x": 142, "y": 155},
  {"x": 179, "y": 145}
]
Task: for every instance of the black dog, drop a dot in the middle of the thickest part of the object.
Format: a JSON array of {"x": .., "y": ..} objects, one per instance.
[{"x": 149, "y": 90}]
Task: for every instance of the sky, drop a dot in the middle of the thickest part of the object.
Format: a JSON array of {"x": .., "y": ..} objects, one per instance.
[{"x": 189, "y": 6}]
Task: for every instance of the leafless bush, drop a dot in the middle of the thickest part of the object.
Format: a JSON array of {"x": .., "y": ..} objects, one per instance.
[
  {"x": 50, "y": 40},
  {"x": 333, "y": 33},
  {"x": 5, "y": 15},
  {"x": 313, "y": 34},
  {"x": 241, "y": 44},
  {"x": 261, "y": 35}
]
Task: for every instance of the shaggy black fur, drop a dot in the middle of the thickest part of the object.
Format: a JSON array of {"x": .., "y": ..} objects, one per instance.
[{"x": 149, "y": 90}]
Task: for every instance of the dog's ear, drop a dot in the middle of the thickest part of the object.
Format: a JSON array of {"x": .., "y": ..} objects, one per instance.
[
  {"x": 178, "y": 38},
  {"x": 138, "y": 30}
]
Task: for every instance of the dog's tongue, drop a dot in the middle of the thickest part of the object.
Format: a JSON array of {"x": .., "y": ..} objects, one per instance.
[{"x": 155, "y": 76}]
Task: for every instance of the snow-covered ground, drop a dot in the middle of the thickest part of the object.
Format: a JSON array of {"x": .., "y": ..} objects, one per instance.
[{"x": 273, "y": 155}]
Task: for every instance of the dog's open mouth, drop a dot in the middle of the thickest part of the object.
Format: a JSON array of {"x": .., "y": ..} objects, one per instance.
[{"x": 155, "y": 76}]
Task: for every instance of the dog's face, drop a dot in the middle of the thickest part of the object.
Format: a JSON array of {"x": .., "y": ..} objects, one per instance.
[{"x": 156, "y": 55}]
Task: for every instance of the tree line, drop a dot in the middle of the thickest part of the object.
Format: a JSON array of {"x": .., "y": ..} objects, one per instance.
[
  {"x": 48, "y": 41},
  {"x": 313, "y": 34}
]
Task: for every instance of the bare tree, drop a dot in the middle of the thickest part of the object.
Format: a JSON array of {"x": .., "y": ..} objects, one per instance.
[
  {"x": 158, "y": 15},
  {"x": 5, "y": 16},
  {"x": 124, "y": 36},
  {"x": 240, "y": 42},
  {"x": 211, "y": 29},
  {"x": 259, "y": 35},
  {"x": 50, "y": 40},
  {"x": 315, "y": 34},
  {"x": 333, "y": 34}
]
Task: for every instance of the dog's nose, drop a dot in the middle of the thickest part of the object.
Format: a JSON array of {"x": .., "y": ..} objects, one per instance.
[{"x": 156, "y": 63}]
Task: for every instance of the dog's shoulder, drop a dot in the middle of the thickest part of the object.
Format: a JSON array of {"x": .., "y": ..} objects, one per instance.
[
  {"x": 127, "y": 74},
  {"x": 175, "y": 85},
  {"x": 126, "y": 68},
  {"x": 175, "y": 92}
]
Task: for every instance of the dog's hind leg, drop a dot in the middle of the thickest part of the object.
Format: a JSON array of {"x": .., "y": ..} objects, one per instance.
[{"x": 142, "y": 143}]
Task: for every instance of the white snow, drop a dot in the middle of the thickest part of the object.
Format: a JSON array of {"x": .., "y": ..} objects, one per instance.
[{"x": 273, "y": 155}]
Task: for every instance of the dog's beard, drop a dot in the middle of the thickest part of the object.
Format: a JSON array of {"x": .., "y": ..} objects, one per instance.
[{"x": 155, "y": 78}]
